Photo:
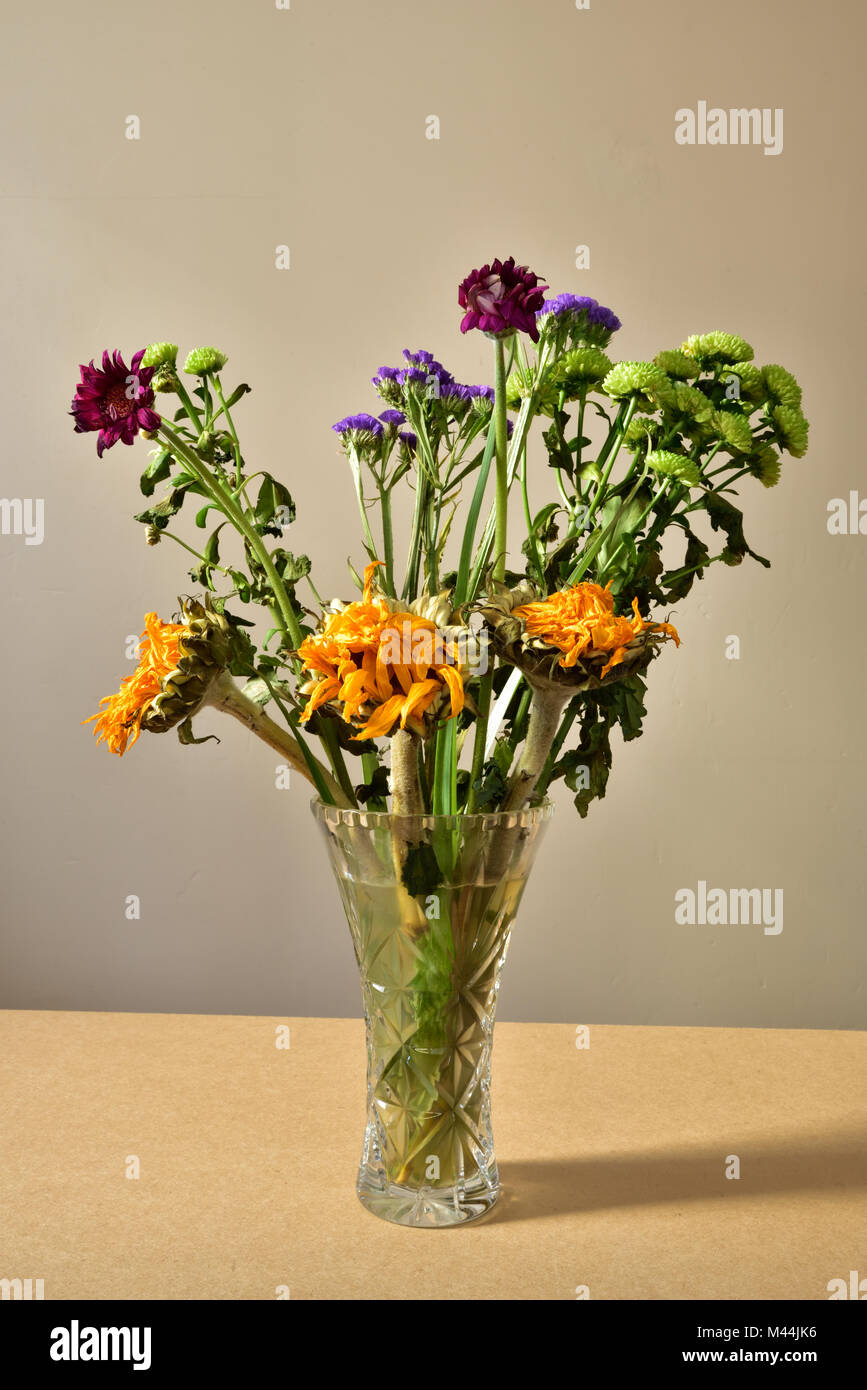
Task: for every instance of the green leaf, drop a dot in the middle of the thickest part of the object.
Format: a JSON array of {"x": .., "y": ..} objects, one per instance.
[
  {"x": 376, "y": 789},
  {"x": 239, "y": 391},
  {"x": 157, "y": 471},
  {"x": 491, "y": 787},
  {"x": 726, "y": 517},
  {"x": 273, "y": 500},
  {"x": 186, "y": 735}
]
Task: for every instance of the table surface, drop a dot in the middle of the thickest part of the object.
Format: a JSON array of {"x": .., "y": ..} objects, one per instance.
[{"x": 613, "y": 1159}]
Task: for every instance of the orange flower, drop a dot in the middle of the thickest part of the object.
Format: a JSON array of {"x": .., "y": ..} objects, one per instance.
[
  {"x": 582, "y": 621},
  {"x": 119, "y": 724},
  {"x": 383, "y": 664}
]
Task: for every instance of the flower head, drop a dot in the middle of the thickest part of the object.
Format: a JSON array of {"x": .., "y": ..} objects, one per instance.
[
  {"x": 204, "y": 361},
  {"x": 578, "y": 318},
  {"x": 177, "y": 665},
  {"x": 160, "y": 355},
  {"x": 501, "y": 298},
  {"x": 385, "y": 664},
  {"x": 359, "y": 431},
  {"x": 573, "y": 637},
  {"x": 114, "y": 399},
  {"x": 711, "y": 348}
]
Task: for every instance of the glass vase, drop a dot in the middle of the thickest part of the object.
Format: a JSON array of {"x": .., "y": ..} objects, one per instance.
[{"x": 430, "y": 902}]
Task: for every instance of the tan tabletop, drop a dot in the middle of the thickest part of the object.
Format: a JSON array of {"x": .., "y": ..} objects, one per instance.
[{"x": 613, "y": 1160}]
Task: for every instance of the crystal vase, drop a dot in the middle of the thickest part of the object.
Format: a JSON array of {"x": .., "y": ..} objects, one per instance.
[{"x": 430, "y": 902}]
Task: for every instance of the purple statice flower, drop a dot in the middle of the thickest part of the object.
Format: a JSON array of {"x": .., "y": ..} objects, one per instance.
[
  {"x": 584, "y": 318},
  {"x": 481, "y": 393},
  {"x": 428, "y": 363},
  {"x": 385, "y": 374},
  {"x": 116, "y": 400},
  {"x": 393, "y": 417},
  {"x": 409, "y": 375},
  {"x": 501, "y": 298},
  {"x": 362, "y": 432},
  {"x": 409, "y": 439}
]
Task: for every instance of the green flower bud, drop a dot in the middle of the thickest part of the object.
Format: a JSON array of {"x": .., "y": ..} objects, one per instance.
[
  {"x": 781, "y": 387},
  {"x": 165, "y": 379},
  {"x": 160, "y": 355},
  {"x": 711, "y": 348},
  {"x": 204, "y": 361},
  {"x": 677, "y": 364},
  {"x": 791, "y": 429},
  {"x": 672, "y": 465}
]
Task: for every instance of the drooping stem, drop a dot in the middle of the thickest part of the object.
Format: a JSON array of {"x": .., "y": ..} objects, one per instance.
[
  {"x": 545, "y": 714},
  {"x": 225, "y": 695}
]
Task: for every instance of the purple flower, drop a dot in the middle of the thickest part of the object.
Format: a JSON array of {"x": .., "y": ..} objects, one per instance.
[
  {"x": 580, "y": 312},
  {"x": 481, "y": 393},
  {"x": 115, "y": 400},
  {"x": 393, "y": 417},
  {"x": 358, "y": 424},
  {"x": 501, "y": 298},
  {"x": 409, "y": 439},
  {"x": 429, "y": 364},
  {"x": 385, "y": 374}
]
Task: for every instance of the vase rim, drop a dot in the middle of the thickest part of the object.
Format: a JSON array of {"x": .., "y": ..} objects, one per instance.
[{"x": 480, "y": 820}]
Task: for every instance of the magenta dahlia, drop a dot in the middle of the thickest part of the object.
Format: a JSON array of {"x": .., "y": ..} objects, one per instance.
[
  {"x": 116, "y": 400},
  {"x": 500, "y": 298}
]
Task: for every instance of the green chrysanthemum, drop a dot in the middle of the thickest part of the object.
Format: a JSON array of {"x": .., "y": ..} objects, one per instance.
[
  {"x": 692, "y": 402},
  {"x": 160, "y": 355},
  {"x": 642, "y": 432},
  {"x": 674, "y": 466},
  {"x": 205, "y": 360},
  {"x": 580, "y": 368},
  {"x": 637, "y": 379},
  {"x": 765, "y": 465},
  {"x": 780, "y": 386},
  {"x": 518, "y": 387},
  {"x": 677, "y": 364},
  {"x": 751, "y": 387},
  {"x": 791, "y": 429},
  {"x": 733, "y": 429},
  {"x": 711, "y": 348}
]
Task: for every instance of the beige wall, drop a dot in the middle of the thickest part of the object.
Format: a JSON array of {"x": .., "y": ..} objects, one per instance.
[{"x": 307, "y": 127}]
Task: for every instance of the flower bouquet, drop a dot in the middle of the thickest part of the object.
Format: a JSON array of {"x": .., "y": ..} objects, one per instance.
[{"x": 432, "y": 712}]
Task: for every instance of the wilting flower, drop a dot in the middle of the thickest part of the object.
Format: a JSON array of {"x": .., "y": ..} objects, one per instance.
[
  {"x": 178, "y": 663},
  {"x": 573, "y": 637},
  {"x": 501, "y": 298},
  {"x": 116, "y": 400},
  {"x": 385, "y": 663}
]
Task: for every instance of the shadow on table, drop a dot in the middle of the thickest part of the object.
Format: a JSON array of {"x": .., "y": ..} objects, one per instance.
[{"x": 537, "y": 1187}]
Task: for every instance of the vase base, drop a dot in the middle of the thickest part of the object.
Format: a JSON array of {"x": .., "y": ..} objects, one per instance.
[{"x": 430, "y": 1207}]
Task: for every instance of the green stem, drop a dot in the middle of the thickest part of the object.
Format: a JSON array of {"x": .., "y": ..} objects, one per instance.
[
  {"x": 218, "y": 386},
  {"x": 228, "y": 506},
  {"x": 486, "y": 687},
  {"x": 501, "y": 436}
]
